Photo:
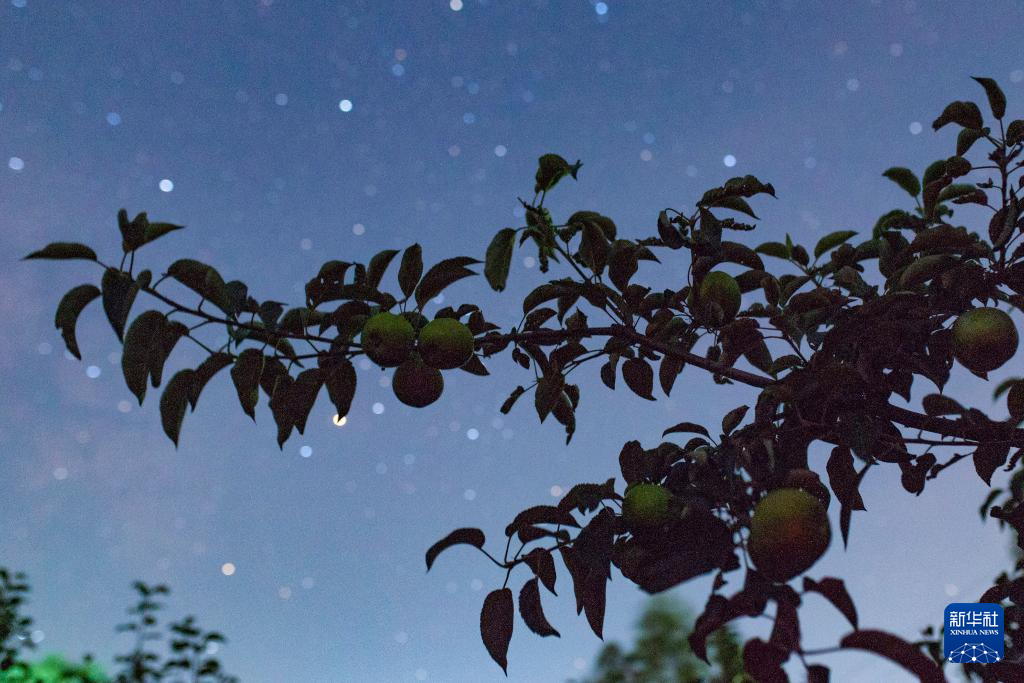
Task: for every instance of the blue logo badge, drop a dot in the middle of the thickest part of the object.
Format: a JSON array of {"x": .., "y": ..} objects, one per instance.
[{"x": 974, "y": 633}]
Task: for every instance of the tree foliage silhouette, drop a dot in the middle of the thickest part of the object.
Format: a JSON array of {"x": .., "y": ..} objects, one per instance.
[{"x": 848, "y": 342}]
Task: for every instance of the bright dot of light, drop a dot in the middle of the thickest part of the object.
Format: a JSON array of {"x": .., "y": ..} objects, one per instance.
[
  {"x": 382, "y": 468},
  {"x": 345, "y": 105},
  {"x": 472, "y": 434},
  {"x": 456, "y": 6},
  {"x": 166, "y": 185},
  {"x": 469, "y": 494},
  {"x": 305, "y": 451},
  {"x": 339, "y": 420},
  {"x": 500, "y": 150},
  {"x": 601, "y": 8},
  {"x": 852, "y": 85},
  {"x": 281, "y": 99},
  {"x": 284, "y": 592},
  {"x": 60, "y": 473},
  {"x": 306, "y": 244},
  {"x": 645, "y": 155},
  {"x": 397, "y": 69},
  {"x": 378, "y": 408},
  {"x": 556, "y": 490},
  {"x": 124, "y": 406},
  {"x": 915, "y": 127},
  {"x": 227, "y": 569},
  {"x": 37, "y": 636},
  {"x": 15, "y": 163},
  {"x": 358, "y": 229},
  {"x": 729, "y": 160},
  {"x": 113, "y": 118},
  {"x": 529, "y": 262},
  {"x": 93, "y": 371}
]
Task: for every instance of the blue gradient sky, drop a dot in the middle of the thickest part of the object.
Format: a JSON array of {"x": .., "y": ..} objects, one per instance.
[{"x": 237, "y": 105}]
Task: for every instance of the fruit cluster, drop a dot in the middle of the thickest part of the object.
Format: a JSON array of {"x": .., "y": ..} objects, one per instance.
[{"x": 391, "y": 341}]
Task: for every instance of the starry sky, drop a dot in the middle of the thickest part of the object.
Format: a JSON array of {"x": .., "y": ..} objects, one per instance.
[{"x": 285, "y": 134}]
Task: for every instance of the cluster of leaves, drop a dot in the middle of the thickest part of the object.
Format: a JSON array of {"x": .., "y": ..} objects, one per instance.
[
  {"x": 839, "y": 340},
  {"x": 191, "y": 648}
]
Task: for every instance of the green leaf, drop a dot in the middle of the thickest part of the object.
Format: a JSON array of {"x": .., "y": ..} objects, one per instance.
[
  {"x": 935, "y": 170},
  {"x": 1015, "y": 132},
  {"x": 550, "y": 169},
  {"x": 736, "y": 204},
  {"x": 831, "y": 241},
  {"x": 411, "y": 269},
  {"x": 499, "y": 258},
  {"x": 378, "y": 266},
  {"x": 119, "y": 291},
  {"x": 996, "y": 98},
  {"x": 63, "y": 251},
  {"x": 204, "y": 280},
  {"x": 246, "y": 375},
  {"x": 965, "y": 114},
  {"x": 775, "y": 249},
  {"x": 155, "y": 231},
  {"x": 173, "y": 402},
  {"x": 966, "y": 138},
  {"x": 905, "y": 178},
  {"x": 68, "y": 310},
  {"x": 957, "y": 190},
  {"x": 441, "y": 275},
  {"x": 205, "y": 372}
]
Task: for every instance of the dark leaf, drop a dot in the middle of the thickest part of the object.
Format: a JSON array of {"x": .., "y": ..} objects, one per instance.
[
  {"x": 818, "y": 673},
  {"x": 174, "y": 401},
  {"x": 622, "y": 263},
  {"x": 499, "y": 258},
  {"x": 905, "y": 178},
  {"x": 764, "y": 661},
  {"x": 996, "y": 98},
  {"x": 68, "y": 310},
  {"x": 988, "y": 458},
  {"x": 896, "y": 649},
  {"x": 639, "y": 377},
  {"x": 441, "y": 275},
  {"x": 531, "y": 610},
  {"x": 594, "y": 596},
  {"x": 937, "y": 405},
  {"x": 140, "y": 342},
  {"x": 776, "y": 249},
  {"x": 119, "y": 291},
  {"x": 511, "y": 400},
  {"x": 202, "y": 279},
  {"x": 684, "y": 427},
  {"x": 786, "y": 630},
  {"x": 465, "y": 536},
  {"x": 539, "y": 560},
  {"x": 733, "y": 418},
  {"x": 834, "y": 590},
  {"x": 966, "y": 138},
  {"x": 1015, "y": 132},
  {"x": 205, "y": 372},
  {"x": 378, "y": 265},
  {"x": 155, "y": 231},
  {"x": 496, "y": 625},
  {"x": 541, "y": 514},
  {"x": 964, "y": 114},
  {"x": 63, "y": 251},
  {"x": 594, "y": 247},
  {"x": 832, "y": 240},
  {"x": 340, "y": 380},
  {"x": 246, "y": 376},
  {"x": 668, "y": 371}
]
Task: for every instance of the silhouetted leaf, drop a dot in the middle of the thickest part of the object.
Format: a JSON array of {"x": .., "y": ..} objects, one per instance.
[
  {"x": 776, "y": 249},
  {"x": 205, "y": 372},
  {"x": 832, "y": 240},
  {"x": 834, "y": 590},
  {"x": 684, "y": 427},
  {"x": 818, "y": 673},
  {"x": 1014, "y": 132},
  {"x": 174, "y": 401},
  {"x": 541, "y": 514},
  {"x": 764, "y": 661},
  {"x": 63, "y": 251},
  {"x": 532, "y": 612},
  {"x": 668, "y": 371},
  {"x": 965, "y": 114},
  {"x": 139, "y": 344},
  {"x": 550, "y": 169},
  {"x": 639, "y": 377},
  {"x": 246, "y": 376},
  {"x": 539, "y": 560},
  {"x": 905, "y": 178},
  {"x": 155, "y": 231},
  {"x": 594, "y": 247},
  {"x": 464, "y": 536},
  {"x": 595, "y": 587},
  {"x": 68, "y": 310},
  {"x": 202, "y": 279},
  {"x": 896, "y": 649},
  {"x": 496, "y": 625},
  {"x": 378, "y": 266},
  {"x": 499, "y": 258},
  {"x": 119, "y": 291},
  {"x": 996, "y": 98},
  {"x": 340, "y": 380},
  {"x": 988, "y": 458},
  {"x": 733, "y": 418},
  {"x": 441, "y": 275},
  {"x": 937, "y": 405},
  {"x": 512, "y": 398},
  {"x": 586, "y": 498}
]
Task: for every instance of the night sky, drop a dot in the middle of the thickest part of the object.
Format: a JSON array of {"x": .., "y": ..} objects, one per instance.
[{"x": 285, "y": 134}]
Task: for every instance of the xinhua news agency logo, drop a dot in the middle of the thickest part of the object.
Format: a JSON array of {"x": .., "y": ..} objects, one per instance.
[{"x": 974, "y": 633}]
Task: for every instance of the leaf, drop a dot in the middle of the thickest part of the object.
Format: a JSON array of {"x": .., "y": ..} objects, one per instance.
[
  {"x": 246, "y": 376},
  {"x": 550, "y": 169},
  {"x": 905, "y": 178},
  {"x": 68, "y": 311},
  {"x": 63, "y": 251},
  {"x": 1015, "y": 132},
  {"x": 639, "y": 377},
  {"x": 173, "y": 402},
  {"x": 964, "y": 114},
  {"x": 594, "y": 595},
  {"x": 541, "y": 514},
  {"x": 496, "y": 625},
  {"x": 547, "y": 393},
  {"x": 532, "y": 612},
  {"x": 763, "y": 661},
  {"x": 540, "y": 561},
  {"x": 499, "y": 258},
  {"x": 996, "y": 98},
  {"x": 136, "y": 357},
  {"x": 684, "y": 427},
  {"x": 205, "y": 372},
  {"x": 989, "y": 457},
  {"x": 775, "y": 249},
  {"x": 834, "y": 590},
  {"x": 735, "y": 204},
  {"x": 512, "y": 398},
  {"x": 340, "y": 380},
  {"x": 119, "y": 291},
  {"x": 733, "y": 418},
  {"x": 464, "y": 536},
  {"x": 843, "y": 478},
  {"x": 441, "y": 275},
  {"x": 937, "y": 405},
  {"x": 668, "y": 371},
  {"x": 378, "y": 266},
  {"x": 896, "y": 649},
  {"x": 202, "y": 279},
  {"x": 155, "y": 231},
  {"x": 622, "y": 263},
  {"x": 818, "y": 673},
  {"x": 832, "y": 240},
  {"x": 594, "y": 247},
  {"x": 966, "y": 138}
]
